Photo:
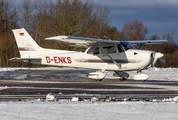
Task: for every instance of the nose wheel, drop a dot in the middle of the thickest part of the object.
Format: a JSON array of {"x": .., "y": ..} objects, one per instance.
[{"x": 140, "y": 76}]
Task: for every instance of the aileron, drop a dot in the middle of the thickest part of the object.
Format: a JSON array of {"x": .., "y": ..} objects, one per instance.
[{"x": 148, "y": 41}]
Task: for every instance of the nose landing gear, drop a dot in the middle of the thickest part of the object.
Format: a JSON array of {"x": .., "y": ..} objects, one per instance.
[{"x": 140, "y": 76}]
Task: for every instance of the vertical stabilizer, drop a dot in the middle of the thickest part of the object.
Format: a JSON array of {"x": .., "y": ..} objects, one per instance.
[{"x": 26, "y": 45}]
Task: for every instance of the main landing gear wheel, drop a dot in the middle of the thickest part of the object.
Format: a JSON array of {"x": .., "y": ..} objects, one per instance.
[
  {"x": 123, "y": 75},
  {"x": 123, "y": 79},
  {"x": 98, "y": 76},
  {"x": 99, "y": 79}
]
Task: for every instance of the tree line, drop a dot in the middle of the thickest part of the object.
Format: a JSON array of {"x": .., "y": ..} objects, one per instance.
[{"x": 46, "y": 18}]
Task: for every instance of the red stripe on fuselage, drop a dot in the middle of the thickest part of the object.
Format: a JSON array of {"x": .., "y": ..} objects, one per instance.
[
  {"x": 110, "y": 61},
  {"x": 22, "y": 49}
]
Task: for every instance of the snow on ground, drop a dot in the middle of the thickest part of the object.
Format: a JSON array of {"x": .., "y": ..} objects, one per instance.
[
  {"x": 60, "y": 110},
  {"x": 22, "y": 74},
  {"x": 168, "y": 74},
  {"x": 45, "y": 68},
  {"x": 34, "y": 110}
]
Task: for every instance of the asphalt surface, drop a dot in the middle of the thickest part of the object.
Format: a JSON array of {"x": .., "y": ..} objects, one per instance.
[{"x": 33, "y": 84}]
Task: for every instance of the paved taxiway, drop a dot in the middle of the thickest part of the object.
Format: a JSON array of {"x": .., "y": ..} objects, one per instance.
[
  {"x": 30, "y": 88},
  {"x": 25, "y": 90}
]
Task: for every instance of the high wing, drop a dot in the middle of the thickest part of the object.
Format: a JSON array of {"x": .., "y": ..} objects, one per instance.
[
  {"x": 81, "y": 41},
  {"x": 92, "y": 42}
]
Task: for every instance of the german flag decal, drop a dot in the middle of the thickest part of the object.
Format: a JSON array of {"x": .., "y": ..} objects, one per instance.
[{"x": 21, "y": 34}]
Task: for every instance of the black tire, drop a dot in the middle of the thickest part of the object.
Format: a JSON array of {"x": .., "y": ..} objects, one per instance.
[
  {"x": 99, "y": 80},
  {"x": 123, "y": 79}
]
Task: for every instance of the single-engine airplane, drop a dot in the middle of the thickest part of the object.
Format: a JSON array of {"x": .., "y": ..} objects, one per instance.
[{"x": 101, "y": 55}]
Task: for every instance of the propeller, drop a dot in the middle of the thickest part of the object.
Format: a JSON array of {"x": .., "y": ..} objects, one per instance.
[
  {"x": 163, "y": 60},
  {"x": 157, "y": 56}
]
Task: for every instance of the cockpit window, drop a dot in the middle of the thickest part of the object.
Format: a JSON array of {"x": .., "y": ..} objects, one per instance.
[
  {"x": 93, "y": 51},
  {"x": 120, "y": 48},
  {"x": 127, "y": 45},
  {"x": 110, "y": 49}
]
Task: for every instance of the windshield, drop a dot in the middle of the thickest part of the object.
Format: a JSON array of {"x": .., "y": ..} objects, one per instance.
[
  {"x": 84, "y": 50},
  {"x": 127, "y": 45},
  {"x": 93, "y": 51}
]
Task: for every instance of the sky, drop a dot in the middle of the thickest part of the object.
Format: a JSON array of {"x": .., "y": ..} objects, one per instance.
[{"x": 160, "y": 16}]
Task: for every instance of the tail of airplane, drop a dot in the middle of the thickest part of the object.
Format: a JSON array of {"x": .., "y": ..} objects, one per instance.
[{"x": 26, "y": 45}]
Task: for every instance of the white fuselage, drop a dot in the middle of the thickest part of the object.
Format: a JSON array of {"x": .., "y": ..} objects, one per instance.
[{"x": 131, "y": 59}]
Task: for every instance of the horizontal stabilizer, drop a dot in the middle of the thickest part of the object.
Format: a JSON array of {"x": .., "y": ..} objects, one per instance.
[{"x": 30, "y": 60}]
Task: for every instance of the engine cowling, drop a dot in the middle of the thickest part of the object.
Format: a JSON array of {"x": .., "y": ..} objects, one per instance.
[{"x": 96, "y": 75}]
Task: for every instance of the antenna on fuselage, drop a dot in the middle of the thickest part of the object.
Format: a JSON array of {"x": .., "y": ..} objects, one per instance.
[
  {"x": 107, "y": 38},
  {"x": 104, "y": 36},
  {"x": 97, "y": 37}
]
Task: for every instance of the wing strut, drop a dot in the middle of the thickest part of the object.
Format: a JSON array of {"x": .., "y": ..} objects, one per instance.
[
  {"x": 109, "y": 56},
  {"x": 141, "y": 46}
]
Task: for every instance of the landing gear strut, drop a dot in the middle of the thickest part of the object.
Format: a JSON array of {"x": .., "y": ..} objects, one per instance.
[
  {"x": 140, "y": 76},
  {"x": 139, "y": 71},
  {"x": 123, "y": 75}
]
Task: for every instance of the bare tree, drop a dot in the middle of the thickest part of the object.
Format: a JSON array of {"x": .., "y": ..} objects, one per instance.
[
  {"x": 72, "y": 18},
  {"x": 171, "y": 46},
  {"x": 8, "y": 21},
  {"x": 26, "y": 13},
  {"x": 170, "y": 37},
  {"x": 6, "y": 15},
  {"x": 135, "y": 30},
  {"x": 38, "y": 19}
]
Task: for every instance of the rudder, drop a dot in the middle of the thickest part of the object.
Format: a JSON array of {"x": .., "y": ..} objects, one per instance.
[{"x": 26, "y": 45}]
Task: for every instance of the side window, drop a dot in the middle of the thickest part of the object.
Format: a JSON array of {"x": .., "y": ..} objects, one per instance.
[
  {"x": 120, "y": 48},
  {"x": 93, "y": 51},
  {"x": 110, "y": 49}
]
